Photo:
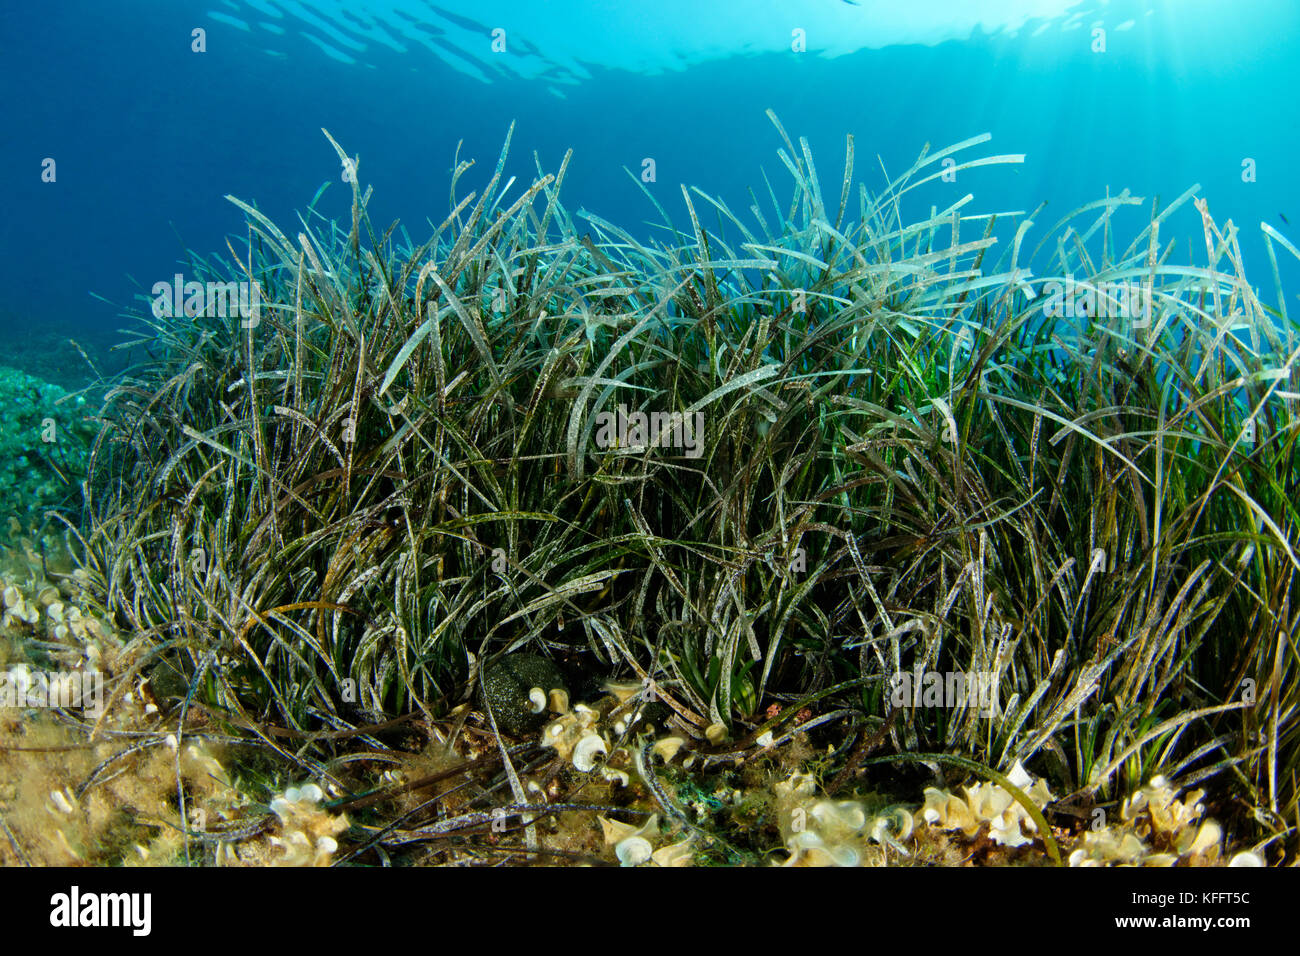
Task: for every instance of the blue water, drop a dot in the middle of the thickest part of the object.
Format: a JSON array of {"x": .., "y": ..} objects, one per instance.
[{"x": 149, "y": 136}]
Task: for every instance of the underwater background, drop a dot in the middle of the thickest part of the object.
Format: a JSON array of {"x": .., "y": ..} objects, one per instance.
[
  {"x": 149, "y": 136},
  {"x": 927, "y": 524}
]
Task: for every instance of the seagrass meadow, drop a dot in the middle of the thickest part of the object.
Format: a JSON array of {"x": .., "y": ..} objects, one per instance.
[{"x": 369, "y": 584}]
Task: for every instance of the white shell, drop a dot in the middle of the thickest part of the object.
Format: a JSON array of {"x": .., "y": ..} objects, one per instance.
[
  {"x": 666, "y": 748},
  {"x": 845, "y": 814},
  {"x": 633, "y": 851},
  {"x": 584, "y": 755},
  {"x": 617, "y": 777}
]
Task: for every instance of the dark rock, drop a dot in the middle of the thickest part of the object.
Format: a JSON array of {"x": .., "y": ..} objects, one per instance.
[{"x": 506, "y": 683}]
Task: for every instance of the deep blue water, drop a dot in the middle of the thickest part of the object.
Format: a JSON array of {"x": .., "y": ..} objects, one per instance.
[{"x": 148, "y": 136}]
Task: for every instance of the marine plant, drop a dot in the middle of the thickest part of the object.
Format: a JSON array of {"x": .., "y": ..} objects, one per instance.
[{"x": 343, "y": 511}]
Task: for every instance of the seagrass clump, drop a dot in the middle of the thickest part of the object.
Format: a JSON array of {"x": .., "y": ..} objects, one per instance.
[{"x": 881, "y": 450}]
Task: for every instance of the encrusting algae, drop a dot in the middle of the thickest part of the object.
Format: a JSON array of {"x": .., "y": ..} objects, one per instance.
[
  {"x": 308, "y": 833},
  {"x": 1009, "y": 823},
  {"x": 635, "y": 846},
  {"x": 1156, "y": 829}
]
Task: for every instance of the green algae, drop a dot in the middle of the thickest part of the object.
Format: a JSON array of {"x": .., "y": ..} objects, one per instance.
[{"x": 44, "y": 447}]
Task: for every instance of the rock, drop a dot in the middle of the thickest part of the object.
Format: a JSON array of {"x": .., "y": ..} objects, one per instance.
[
  {"x": 166, "y": 682},
  {"x": 507, "y": 685}
]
